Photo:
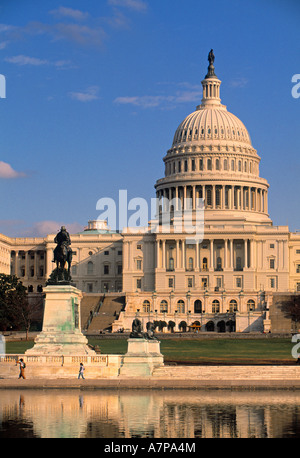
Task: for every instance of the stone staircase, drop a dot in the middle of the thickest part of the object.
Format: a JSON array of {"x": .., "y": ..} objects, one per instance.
[
  {"x": 88, "y": 304},
  {"x": 108, "y": 312}
]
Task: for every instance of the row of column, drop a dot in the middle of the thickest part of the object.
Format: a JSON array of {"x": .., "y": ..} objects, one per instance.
[
  {"x": 28, "y": 265},
  {"x": 215, "y": 197},
  {"x": 226, "y": 255}
]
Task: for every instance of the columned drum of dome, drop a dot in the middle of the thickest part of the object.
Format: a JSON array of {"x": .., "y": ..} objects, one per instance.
[{"x": 212, "y": 158}]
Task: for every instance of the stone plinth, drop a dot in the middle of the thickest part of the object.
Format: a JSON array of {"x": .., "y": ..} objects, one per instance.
[
  {"x": 142, "y": 357},
  {"x": 61, "y": 333}
]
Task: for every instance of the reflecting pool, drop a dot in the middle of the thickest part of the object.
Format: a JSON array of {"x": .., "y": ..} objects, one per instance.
[{"x": 149, "y": 414}]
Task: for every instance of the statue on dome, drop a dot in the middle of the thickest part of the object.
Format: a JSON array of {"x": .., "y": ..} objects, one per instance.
[{"x": 211, "y": 57}]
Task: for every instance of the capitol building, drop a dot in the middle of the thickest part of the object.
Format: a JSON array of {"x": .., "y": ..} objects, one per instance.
[{"x": 223, "y": 281}]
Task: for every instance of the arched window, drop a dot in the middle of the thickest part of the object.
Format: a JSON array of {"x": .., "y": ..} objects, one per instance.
[
  {"x": 225, "y": 164},
  {"x": 215, "y": 306},
  {"x": 180, "y": 306},
  {"x": 90, "y": 268},
  {"x": 146, "y": 306},
  {"x": 209, "y": 164},
  {"x": 163, "y": 307},
  {"x": 233, "y": 306},
  {"x": 217, "y": 164},
  {"x": 232, "y": 164},
  {"x": 204, "y": 264},
  {"x": 171, "y": 264},
  {"x": 198, "y": 306},
  {"x": 191, "y": 264},
  {"x": 250, "y": 305}
]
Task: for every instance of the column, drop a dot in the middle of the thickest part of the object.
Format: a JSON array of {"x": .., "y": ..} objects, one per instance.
[
  {"x": 177, "y": 254},
  {"x": 211, "y": 254},
  {"x": 231, "y": 253},
  {"x": 157, "y": 253},
  {"x": 197, "y": 255},
  {"x": 163, "y": 254},
  {"x": 194, "y": 197},
  {"x": 225, "y": 253},
  {"x": 246, "y": 254},
  {"x": 183, "y": 253}
]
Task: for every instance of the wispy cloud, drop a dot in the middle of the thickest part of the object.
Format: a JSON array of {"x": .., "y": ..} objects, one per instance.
[
  {"x": 193, "y": 94},
  {"x": 89, "y": 94},
  {"x": 137, "y": 5},
  {"x": 238, "y": 82},
  {"x": 7, "y": 172},
  {"x": 27, "y": 60},
  {"x": 19, "y": 228},
  {"x": 70, "y": 13}
]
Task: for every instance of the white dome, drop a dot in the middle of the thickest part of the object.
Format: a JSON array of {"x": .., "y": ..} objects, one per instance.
[{"x": 211, "y": 123}]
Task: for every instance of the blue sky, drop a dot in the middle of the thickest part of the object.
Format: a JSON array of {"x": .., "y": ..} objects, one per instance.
[{"x": 95, "y": 91}]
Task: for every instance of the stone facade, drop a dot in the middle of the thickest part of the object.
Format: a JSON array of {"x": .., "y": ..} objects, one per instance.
[{"x": 223, "y": 281}]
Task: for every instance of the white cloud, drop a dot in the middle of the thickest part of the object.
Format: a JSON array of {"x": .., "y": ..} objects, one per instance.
[
  {"x": 26, "y": 60},
  {"x": 87, "y": 95},
  {"x": 19, "y": 228},
  {"x": 162, "y": 101},
  {"x": 137, "y": 5},
  {"x": 77, "y": 15},
  {"x": 238, "y": 82},
  {"x": 43, "y": 228},
  {"x": 7, "y": 172}
]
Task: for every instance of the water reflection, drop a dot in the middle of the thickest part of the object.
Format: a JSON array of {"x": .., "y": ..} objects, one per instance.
[{"x": 157, "y": 414}]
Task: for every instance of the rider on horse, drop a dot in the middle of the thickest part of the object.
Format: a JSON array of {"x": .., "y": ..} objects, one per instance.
[{"x": 63, "y": 240}]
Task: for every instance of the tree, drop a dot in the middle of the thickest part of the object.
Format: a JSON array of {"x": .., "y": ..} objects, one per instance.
[
  {"x": 291, "y": 309},
  {"x": 17, "y": 311}
]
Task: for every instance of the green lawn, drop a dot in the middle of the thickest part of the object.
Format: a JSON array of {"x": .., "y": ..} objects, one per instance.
[{"x": 218, "y": 350}]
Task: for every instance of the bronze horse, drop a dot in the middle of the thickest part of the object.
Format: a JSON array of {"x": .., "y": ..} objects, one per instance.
[{"x": 63, "y": 255}]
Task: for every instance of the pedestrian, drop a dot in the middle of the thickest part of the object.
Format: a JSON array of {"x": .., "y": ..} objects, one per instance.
[
  {"x": 81, "y": 369},
  {"x": 22, "y": 368}
]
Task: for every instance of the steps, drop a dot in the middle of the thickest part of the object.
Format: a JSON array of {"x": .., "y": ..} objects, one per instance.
[
  {"x": 109, "y": 310},
  {"x": 88, "y": 304}
]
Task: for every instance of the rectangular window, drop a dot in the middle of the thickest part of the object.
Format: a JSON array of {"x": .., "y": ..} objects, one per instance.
[
  {"x": 139, "y": 264},
  {"x": 272, "y": 245},
  {"x": 119, "y": 269},
  {"x": 90, "y": 287},
  {"x": 106, "y": 253},
  {"x": 106, "y": 270},
  {"x": 272, "y": 282},
  {"x": 139, "y": 247},
  {"x": 272, "y": 263},
  {"x": 238, "y": 282},
  {"x": 120, "y": 253},
  {"x": 139, "y": 283},
  {"x": 297, "y": 251},
  {"x": 193, "y": 165},
  {"x": 298, "y": 287},
  {"x": 298, "y": 269},
  {"x": 204, "y": 282},
  {"x": 171, "y": 282},
  {"x": 190, "y": 282},
  {"x": 201, "y": 164}
]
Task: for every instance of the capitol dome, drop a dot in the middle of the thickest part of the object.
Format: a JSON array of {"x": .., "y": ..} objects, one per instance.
[
  {"x": 212, "y": 158},
  {"x": 211, "y": 123}
]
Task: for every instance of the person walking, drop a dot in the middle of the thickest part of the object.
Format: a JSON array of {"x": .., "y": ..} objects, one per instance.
[
  {"x": 22, "y": 368},
  {"x": 81, "y": 369}
]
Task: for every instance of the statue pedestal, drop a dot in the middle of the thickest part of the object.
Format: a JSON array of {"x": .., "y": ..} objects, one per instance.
[
  {"x": 142, "y": 357},
  {"x": 61, "y": 333}
]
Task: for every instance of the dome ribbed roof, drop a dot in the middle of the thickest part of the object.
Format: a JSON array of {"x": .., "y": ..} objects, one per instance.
[{"x": 211, "y": 123}]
